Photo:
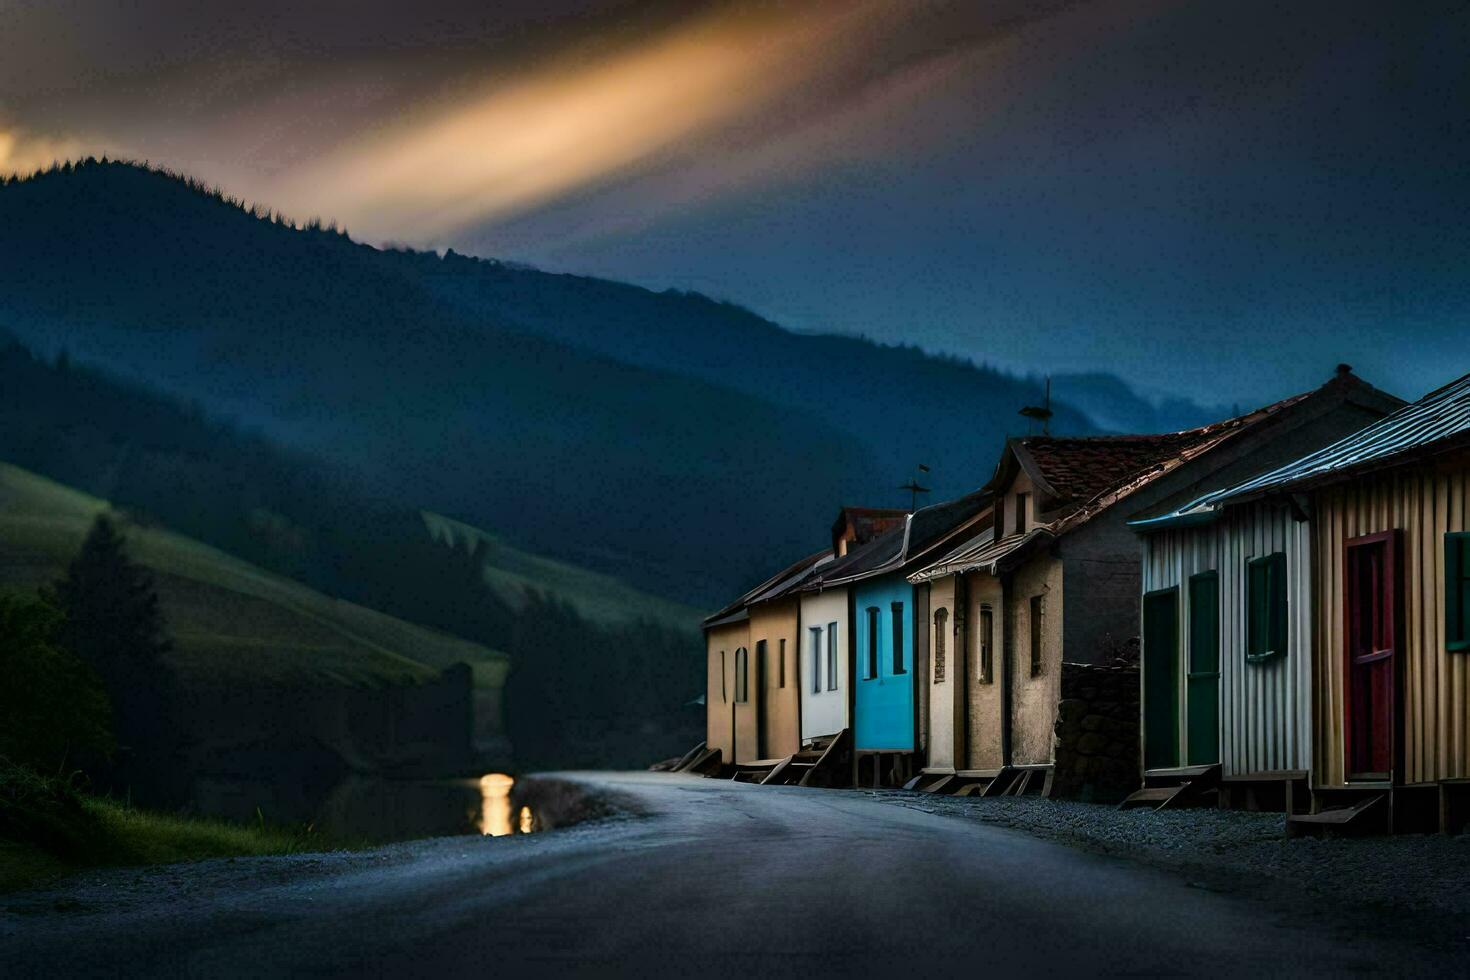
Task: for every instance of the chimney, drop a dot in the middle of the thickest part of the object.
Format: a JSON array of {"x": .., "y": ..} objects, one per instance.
[{"x": 1344, "y": 370}]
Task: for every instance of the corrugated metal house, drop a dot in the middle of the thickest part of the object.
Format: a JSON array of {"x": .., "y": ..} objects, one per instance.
[
  {"x": 1390, "y": 519},
  {"x": 1227, "y": 628},
  {"x": 1057, "y": 580}
]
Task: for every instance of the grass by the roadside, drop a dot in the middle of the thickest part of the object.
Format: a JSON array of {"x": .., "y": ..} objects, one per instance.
[{"x": 48, "y": 829}]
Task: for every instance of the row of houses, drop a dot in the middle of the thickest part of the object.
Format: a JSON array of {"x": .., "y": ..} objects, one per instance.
[{"x": 1297, "y": 578}]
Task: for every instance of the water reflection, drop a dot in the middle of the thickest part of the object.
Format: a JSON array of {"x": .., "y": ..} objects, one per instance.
[{"x": 495, "y": 805}]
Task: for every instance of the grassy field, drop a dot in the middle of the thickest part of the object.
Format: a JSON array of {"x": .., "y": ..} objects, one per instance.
[
  {"x": 230, "y": 620},
  {"x": 47, "y": 830},
  {"x": 598, "y": 598}
]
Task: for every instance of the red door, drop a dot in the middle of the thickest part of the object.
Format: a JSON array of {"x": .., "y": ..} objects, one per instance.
[{"x": 1371, "y": 610}]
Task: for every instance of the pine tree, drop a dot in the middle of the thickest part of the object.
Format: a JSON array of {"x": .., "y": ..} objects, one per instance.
[{"x": 113, "y": 623}]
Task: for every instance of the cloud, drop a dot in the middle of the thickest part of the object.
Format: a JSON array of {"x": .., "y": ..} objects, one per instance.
[
  {"x": 23, "y": 153},
  {"x": 580, "y": 118}
]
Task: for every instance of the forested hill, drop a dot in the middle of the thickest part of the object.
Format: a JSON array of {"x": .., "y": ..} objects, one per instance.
[{"x": 680, "y": 443}]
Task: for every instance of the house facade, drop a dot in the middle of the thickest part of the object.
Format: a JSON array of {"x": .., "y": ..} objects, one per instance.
[
  {"x": 1389, "y": 510},
  {"x": 1057, "y": 581},
  {"x": 826, "y": 663}
]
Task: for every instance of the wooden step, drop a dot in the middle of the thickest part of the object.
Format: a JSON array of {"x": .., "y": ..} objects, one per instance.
[
  {"x": 1366, "y": 815},
  {"x": 1150, "y": 796}
]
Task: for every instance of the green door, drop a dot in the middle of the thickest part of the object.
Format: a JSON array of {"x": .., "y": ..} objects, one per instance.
[
  {"x": 1203, "y": 708},
  {"x": 1161, "y": 679}
]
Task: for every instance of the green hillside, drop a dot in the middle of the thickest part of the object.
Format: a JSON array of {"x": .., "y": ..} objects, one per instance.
[
  {"x": 514, "y": 575},
  {"x": 231, "y": 621}
]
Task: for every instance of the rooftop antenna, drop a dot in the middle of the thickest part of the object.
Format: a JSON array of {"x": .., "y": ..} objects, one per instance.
[
  {"x": 915, "y": 489},
  {"x": 1041, "y": 413}
]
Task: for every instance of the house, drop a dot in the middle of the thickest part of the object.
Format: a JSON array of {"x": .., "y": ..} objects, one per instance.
[
  {"x": 754, "y": 706},
  {"x": 888, "y": 648},
  {"x": 741, "y": 721},
  {"x": 1042, "y": 607},
  {"x": 1389, "y": 513},
  {"x": 1227, "y": 626}
]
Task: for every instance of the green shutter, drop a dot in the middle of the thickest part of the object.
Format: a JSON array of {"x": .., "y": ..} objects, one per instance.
[
  {"x": 1267, "y": 630},
  {"x": 1457, "y": 590}
]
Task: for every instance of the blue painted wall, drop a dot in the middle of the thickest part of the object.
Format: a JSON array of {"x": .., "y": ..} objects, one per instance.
[{"x": 885, "y": 703}]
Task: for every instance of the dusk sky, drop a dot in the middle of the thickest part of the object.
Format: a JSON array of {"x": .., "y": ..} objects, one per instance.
[{"x": 1214, "y": 199}]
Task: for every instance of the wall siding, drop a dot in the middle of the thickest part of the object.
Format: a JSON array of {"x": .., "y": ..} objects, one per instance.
[
  {"x": 1423, "y": 503},
  {"x": 773, "y": 622},
  {"x": 946, "y": 718},
  {"x": 885, "y": 714},
  {"x": 824, "y": 713},
  {"x": 984, "y": 701},
  {"x": 1265, "y": 708},
  {"x": 720, "y": 693}
]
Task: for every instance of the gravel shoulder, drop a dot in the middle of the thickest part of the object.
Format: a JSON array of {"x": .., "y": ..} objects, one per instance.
[{"x": 1418, "y": 882}]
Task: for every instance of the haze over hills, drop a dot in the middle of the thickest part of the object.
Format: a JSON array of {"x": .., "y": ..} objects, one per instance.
[{"x": 664, "y": 438}]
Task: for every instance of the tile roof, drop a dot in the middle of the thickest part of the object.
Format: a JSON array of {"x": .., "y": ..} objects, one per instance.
[{"x": 1440, "y": 421}]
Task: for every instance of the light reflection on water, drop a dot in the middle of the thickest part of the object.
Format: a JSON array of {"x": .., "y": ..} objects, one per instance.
[{"x": 495, "y": 808}]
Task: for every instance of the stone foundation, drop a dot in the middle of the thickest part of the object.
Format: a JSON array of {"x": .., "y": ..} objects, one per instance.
[{"x": 1097, "y": 732}]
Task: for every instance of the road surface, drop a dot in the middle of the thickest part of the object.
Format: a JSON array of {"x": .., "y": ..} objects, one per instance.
[{"x": 714, "y": 879}]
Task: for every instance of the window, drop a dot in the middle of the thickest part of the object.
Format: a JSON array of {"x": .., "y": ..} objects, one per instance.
[
  {"x": 724, "y": 690},
  {"x": 1038, "y": 612},
  {"x": 831, "y": 656},
  {"x": 871, "y": 666},
  {"x": 781, "y": 662},
  {"x": 1023, "y": 500},
  {"x": 816, "y": 633},
  {"x": 1266, "y": 611},
  {"x": 987, "y": 641},
  {"x": 742, "y": 676},
  {"x": 897, "y": 611},
  {"x": 941, "y": 621},
  {"x": 1000, "y": 520},
  {"x": 762, "y": 664},
  {"x": 1457, "y": 590}
]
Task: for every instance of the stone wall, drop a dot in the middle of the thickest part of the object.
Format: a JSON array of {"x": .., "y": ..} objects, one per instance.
[{"x": 1097, "y": 731}]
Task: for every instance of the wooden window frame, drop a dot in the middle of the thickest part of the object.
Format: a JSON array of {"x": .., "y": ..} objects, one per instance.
[
  {"x": 816, "y": 634},
  {"x": 1457, "y": 591},
  {"x": 1265, "y": 642},
  {"x": 986, "y": 637},
  {"x": 870, "y": 662},
  {"x": 1036, "y": 610},
  {"x": 742, "y": 675},
  {"x": 832, "y": 656},
  {"x": 941, "y": 623},
  {"x": 895, "y": 611}
]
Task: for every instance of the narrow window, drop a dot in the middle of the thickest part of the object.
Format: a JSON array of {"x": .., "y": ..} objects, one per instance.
[
  {"x": 1266, "y": 628},
  {"x": 1000, "y": 519},
  {"x": 816, "y": 634},
  {"x": 831, "y": 656},
  {"x": 762, "y": 663},
  {"x": 897, "y": 610},
  {"x": 941, "y": 621},
  {"x": 986, "y": 639},
  {"x": 871, "y": 670},
  {"x": 742, "y": 676},
  {"x": 724, "y": 688},
  {"x": 1038, "y": 611},
  {"x": 781, "y": 662},
  {"x": 1023, "y": 500},
  {"x": 1457, "y": 590}
]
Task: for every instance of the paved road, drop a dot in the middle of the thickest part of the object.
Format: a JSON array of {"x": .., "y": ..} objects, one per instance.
[{"x": 717, "y": 879}]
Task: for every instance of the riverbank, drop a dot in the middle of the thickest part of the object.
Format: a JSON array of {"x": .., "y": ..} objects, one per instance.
[{"x": 50, "y": 832}]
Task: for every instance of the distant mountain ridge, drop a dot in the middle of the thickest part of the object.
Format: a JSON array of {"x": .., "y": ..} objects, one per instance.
[{"x": 673, "y": 441}]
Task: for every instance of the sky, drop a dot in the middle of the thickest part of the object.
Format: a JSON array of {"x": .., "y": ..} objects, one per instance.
[{"x": 1220, "y": 200}]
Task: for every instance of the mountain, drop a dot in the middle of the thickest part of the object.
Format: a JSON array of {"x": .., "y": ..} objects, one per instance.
[
  {"x": 674, "y": 442},
  {"x": 1115, "y": 407}
]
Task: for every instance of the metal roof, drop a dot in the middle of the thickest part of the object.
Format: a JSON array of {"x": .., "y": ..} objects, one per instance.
[
  {"x": 923, "y": 531},
  {"x": 980, "y": 552},
  {"x": 1438, "y": 421}
]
